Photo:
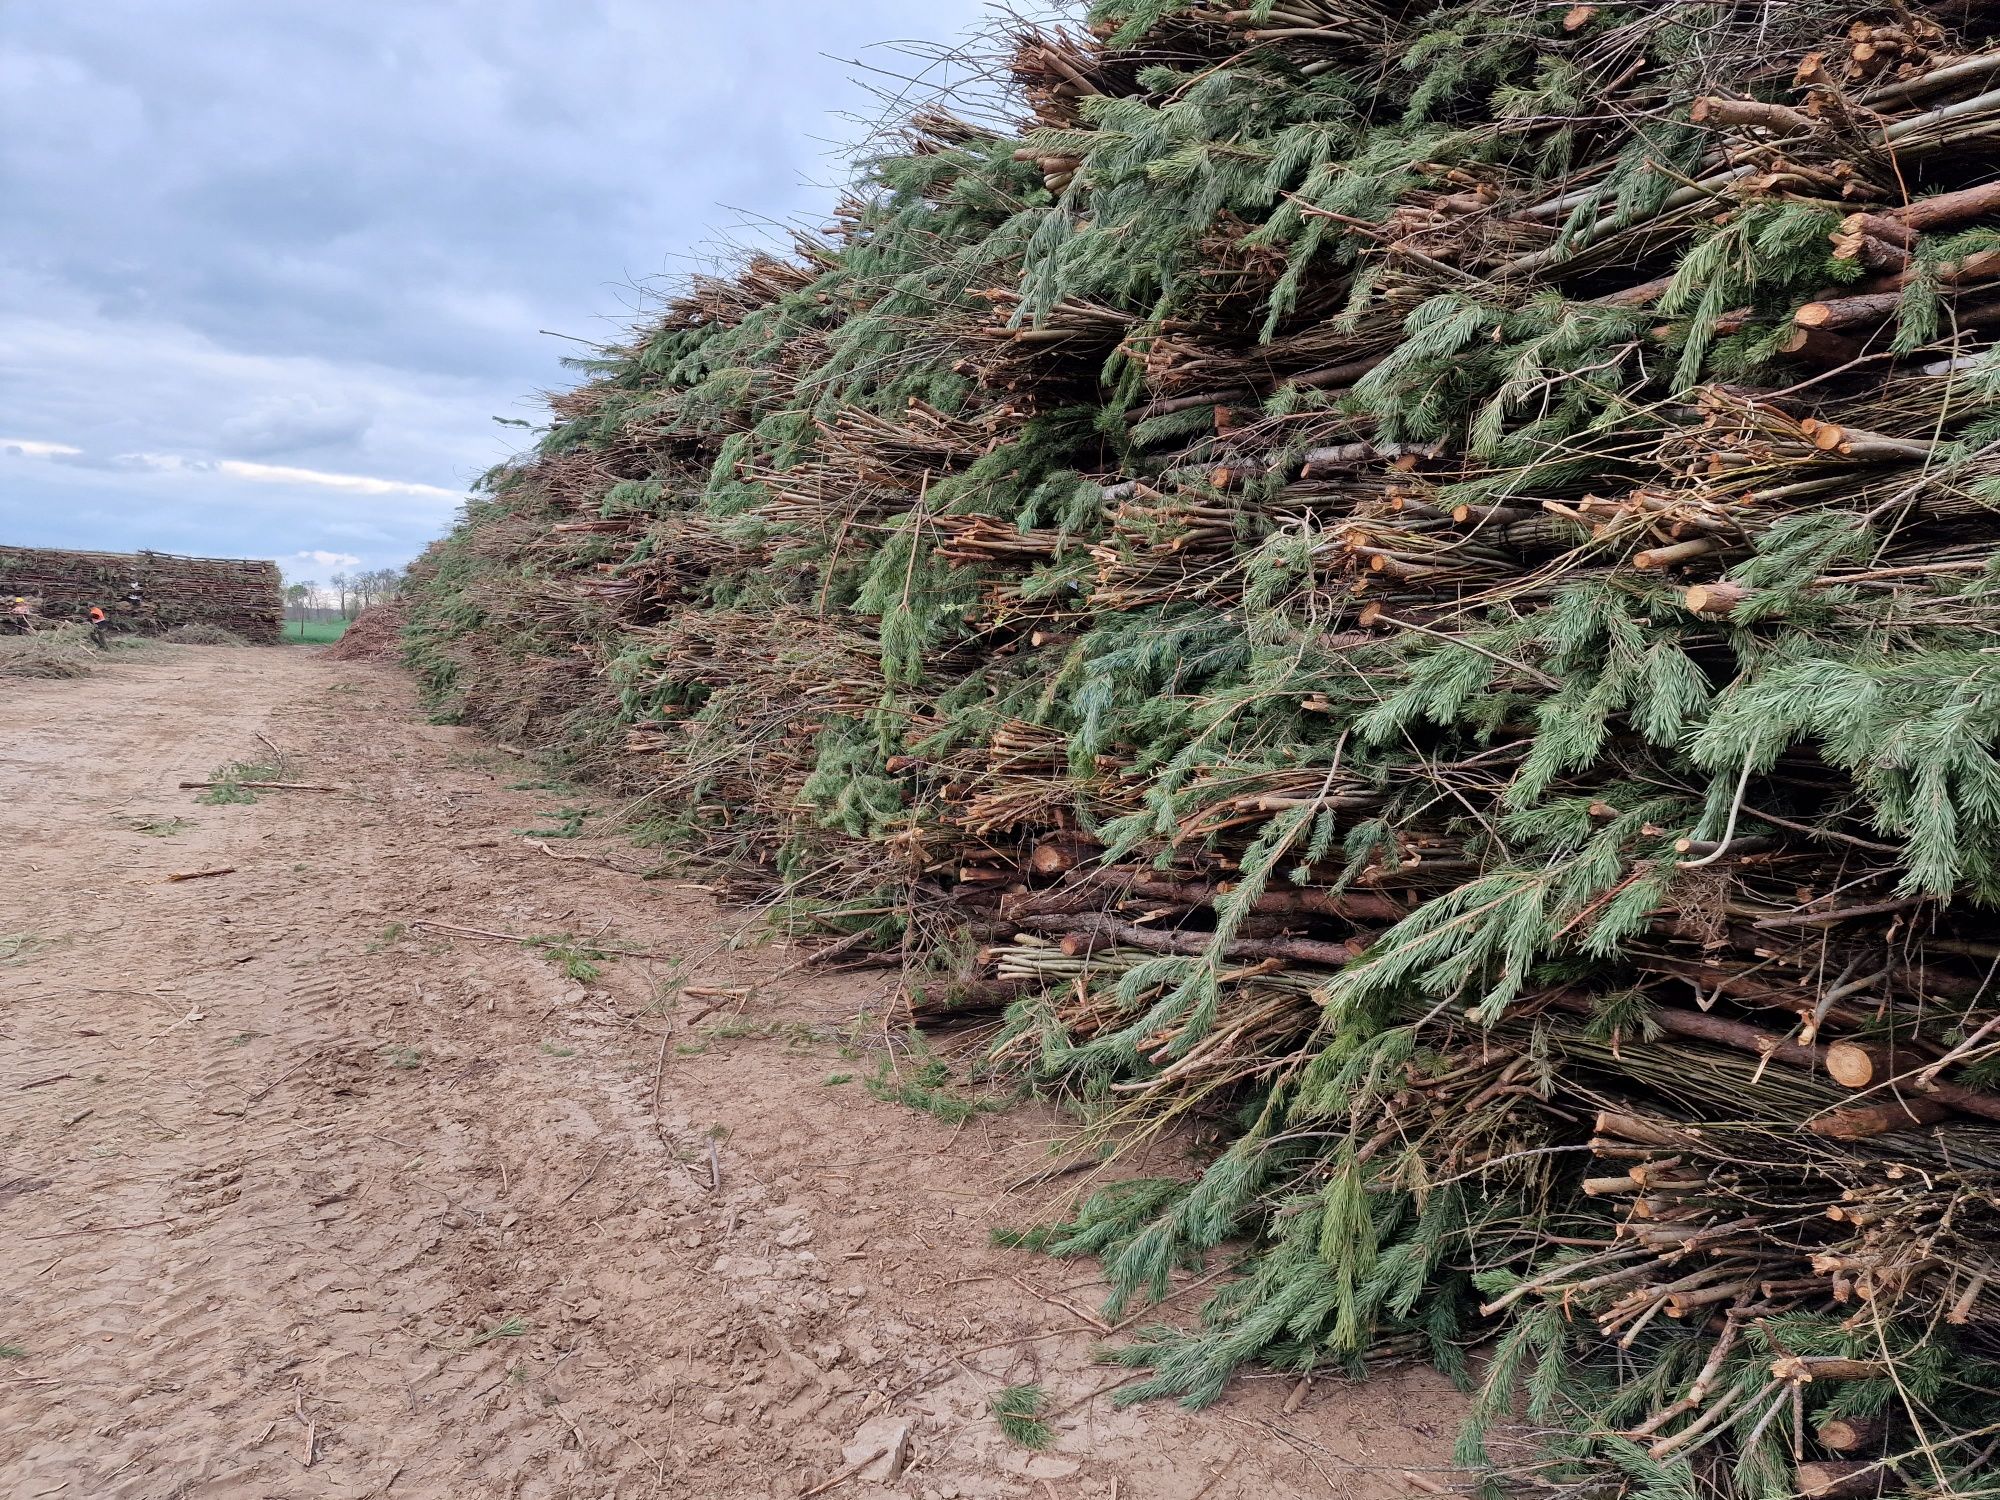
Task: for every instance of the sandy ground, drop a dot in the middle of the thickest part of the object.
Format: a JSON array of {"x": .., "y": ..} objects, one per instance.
[{"x": 302, "y": 1199}]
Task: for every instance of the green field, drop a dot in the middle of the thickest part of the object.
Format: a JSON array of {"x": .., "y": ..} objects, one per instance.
[{"x": 315, "y": 632}]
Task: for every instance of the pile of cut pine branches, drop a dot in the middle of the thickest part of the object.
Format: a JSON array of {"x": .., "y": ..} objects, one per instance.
[
  {"x": 1415, "y": 586},
  {"x": 241, "y": 596}
]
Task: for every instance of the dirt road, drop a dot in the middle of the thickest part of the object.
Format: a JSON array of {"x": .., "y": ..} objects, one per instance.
[{"x": 304, "y": 1198}]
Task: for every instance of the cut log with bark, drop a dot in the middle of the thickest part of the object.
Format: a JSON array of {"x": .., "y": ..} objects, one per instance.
[
  {"x": 1864, "y": 1122},
  {"x": 1805, "y": 1368},
  {"x": 1851, "y": 1434},
  {"x": 1841, "y": 1479}
]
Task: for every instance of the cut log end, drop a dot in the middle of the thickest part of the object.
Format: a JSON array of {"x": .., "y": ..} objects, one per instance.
[
  {"x": 1718, "y": 599},
  {"x": 1058, "y": 856},
  {"x": 1855, "y": 1065},
  {"x": 1850, "y": 1434},
  {"x": 1840, "y": 1479}
]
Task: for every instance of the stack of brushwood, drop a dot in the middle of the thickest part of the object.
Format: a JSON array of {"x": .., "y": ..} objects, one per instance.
[
  {"x": 148, "y": 592},
  {"x": 375, "y": 634},
  {"x": 1409, "y": 591}
]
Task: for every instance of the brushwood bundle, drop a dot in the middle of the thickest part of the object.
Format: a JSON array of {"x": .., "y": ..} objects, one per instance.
[
  {"x": 1414, "y": 586},
  {"x": 242, "y": 597}
]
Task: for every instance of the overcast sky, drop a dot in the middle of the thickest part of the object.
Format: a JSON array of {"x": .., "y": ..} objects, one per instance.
[{"x": 269, "y": 269}]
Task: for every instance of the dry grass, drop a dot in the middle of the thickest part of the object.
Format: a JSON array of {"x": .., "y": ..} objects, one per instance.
[
  {"x": 63, "y": 652},
  {"x": 202, "y": 635}
]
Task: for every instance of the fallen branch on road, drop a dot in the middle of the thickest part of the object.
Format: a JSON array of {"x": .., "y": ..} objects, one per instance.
[{"x": 259, "y": 786}]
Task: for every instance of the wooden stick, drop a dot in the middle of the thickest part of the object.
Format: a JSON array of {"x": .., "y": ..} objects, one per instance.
[
  {"x": 1084, "y": 933},
  {"x": 260, "y": 786},
  {"x": 498, "y": 937},
  {"x": 845, "y": 1474},
  {"x": 1740, "y": 1035},
  {"x": 1803, "y": 1368},
  {"x": 1884, "y": 293},
  {"x": 1679, "y": 552},
  {"x": 1901, "y": 224}
]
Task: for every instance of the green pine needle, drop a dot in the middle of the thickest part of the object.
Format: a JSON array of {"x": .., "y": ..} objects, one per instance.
[{"x": 1018, "y": 1409}]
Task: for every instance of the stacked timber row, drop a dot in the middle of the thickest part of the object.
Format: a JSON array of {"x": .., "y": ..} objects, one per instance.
[
  {"x": 239, "y": 595},
  {"x": 1413, "y": 585}
]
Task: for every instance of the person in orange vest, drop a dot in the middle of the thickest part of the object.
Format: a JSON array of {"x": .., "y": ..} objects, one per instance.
[{"x": 97, "y": 621}]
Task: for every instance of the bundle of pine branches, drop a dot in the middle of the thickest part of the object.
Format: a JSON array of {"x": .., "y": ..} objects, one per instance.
[{"x": 1415, "y": 584}]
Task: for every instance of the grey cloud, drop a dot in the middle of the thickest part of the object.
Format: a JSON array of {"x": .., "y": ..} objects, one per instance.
[
  {"x": 292, "y": 425},
  {"x": 324, "y": 237}
]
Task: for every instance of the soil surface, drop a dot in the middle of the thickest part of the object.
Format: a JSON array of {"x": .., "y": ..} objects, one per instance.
[{"x": 303, "y": 1197}]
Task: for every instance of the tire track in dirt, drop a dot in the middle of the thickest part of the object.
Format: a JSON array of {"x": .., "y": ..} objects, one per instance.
[{"x": 320, "y": 1202}]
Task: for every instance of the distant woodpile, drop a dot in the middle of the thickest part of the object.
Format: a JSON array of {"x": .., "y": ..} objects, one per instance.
[
  {"x": 375, "y": 635},
  {"x": 238, "y": 595}
]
